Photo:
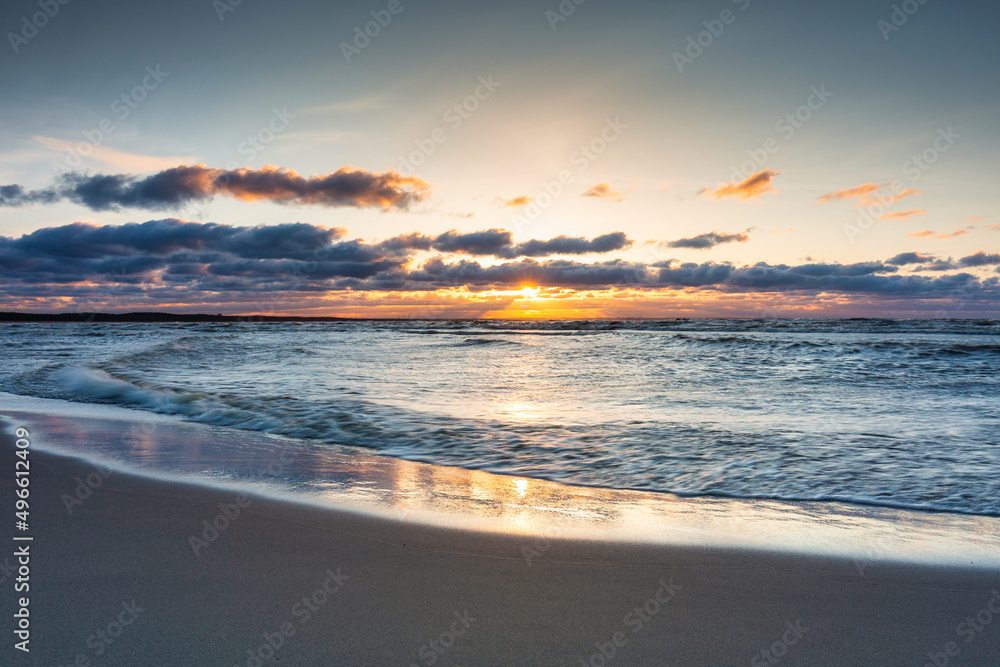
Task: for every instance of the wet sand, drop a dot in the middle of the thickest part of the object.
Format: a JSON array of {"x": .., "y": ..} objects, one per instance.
[{"x": 144, "y": 571}]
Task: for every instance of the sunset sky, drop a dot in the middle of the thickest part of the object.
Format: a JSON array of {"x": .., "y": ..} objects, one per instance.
[{"x": 520, "y": 159}]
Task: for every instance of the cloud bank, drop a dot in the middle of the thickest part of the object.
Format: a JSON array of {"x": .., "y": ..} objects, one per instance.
[
  {"x": 163, "y": 262},
  {"x": 181, "y": 185}
]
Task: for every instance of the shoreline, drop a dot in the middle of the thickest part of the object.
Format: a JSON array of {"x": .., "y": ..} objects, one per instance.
[
  {"x": 172, "y": 450},
  {"x": 225, "y": 578}
]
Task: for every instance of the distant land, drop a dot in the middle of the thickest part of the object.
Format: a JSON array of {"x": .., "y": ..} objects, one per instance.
[{"x": 167, "y": 317}]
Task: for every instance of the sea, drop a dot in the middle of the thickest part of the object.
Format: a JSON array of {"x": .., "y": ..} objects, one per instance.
[{"x": 885, "y": 413}]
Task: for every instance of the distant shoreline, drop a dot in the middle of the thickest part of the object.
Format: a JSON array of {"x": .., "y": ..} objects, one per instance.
[
  {"x": 158, "y": 317},
  {"x": 161, "y": 317}
]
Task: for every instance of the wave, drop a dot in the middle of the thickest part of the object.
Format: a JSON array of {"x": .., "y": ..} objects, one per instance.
[{"x": 685, "y": 460}]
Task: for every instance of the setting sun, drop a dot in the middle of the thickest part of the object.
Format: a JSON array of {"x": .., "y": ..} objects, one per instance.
[{"x": 530, "y": 292}]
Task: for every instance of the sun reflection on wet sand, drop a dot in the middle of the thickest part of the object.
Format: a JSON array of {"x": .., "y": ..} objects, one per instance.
[{"x": 355, "y": 479}]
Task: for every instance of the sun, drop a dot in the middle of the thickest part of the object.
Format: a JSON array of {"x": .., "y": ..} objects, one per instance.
[{"x": 530, "y": 292}]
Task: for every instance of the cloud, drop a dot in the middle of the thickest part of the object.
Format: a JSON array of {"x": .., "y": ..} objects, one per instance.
[
  {"x": 850, "y": 193},
  {"x": 922, "y": 262},
  {"x": 931, "y": 234},
  {"x": 161, "y": 263},
  {"x": 866, "y": 194},
  {"x": 750, "y": 188},
  {"x": 354, "y": 105},
  {"x": 499, "y": 243},
  {"x": 865, "y": 278},
  {"x": 15, "y": 195},
  {"x": 487, "y": 242},
  {"x": 709, "y": 240},
  {"x": 903, "y": 215},
  {"x": 567, "y": 245},
  {"x": 179, "y": 185},
  {"x": 517, "y": 202},
  {"x": 604, "y": 191},
  {"x": 904, "y": 258},
  {"x": 904, "y": 193},
  {"x": 112, "y": 157},
  {"x": 980, "y": 259}
]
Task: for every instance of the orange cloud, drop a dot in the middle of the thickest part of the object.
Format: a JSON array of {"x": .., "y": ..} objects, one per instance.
[
  {"x": 850, "y": 193},
  {"x": 931, "y": 234},
  {"x": 903, "y": 215},
  {"x": 904, "y": 193},
  {"x": 517, "y": 202},
  {"x": 604, "y": 191},
  {"x": 751, "y": 188}
]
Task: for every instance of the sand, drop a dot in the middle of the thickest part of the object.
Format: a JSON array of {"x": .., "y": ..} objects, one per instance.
[{"x": 135, "y": 576}]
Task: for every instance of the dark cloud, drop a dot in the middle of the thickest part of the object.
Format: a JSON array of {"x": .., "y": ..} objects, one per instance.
[
  {"x": 862, "y": 278},
  {"x": 180, "y": 185},
  {"x": 568, "y": 245},
  {"x": 500, "y": 243},
  {"x": 170, "y": 236},
  {"x": 709, "y": 240},
  {"x": 980, "y": 259},
  {"x": 15, "y": 195},
  {"x": 922, "y": 262},
  {"x": 555, "y": 273},
  {"x": 487, "y": 242},
  {"x": 905, "y": 258},
  {"x": 174, "y": 261}
]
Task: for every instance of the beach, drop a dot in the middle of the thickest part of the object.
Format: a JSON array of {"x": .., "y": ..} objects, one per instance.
[{"x": 148, "y": 571}]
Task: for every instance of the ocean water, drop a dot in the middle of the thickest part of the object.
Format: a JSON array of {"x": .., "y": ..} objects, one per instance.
[{"x": 901, "y": 414}]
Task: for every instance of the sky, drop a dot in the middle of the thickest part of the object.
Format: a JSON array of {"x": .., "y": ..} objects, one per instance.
[{"x": 541, "y": 159}]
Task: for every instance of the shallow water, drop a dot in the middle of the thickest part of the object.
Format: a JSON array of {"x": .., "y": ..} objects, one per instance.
[{"x": 893, "y": 414}]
